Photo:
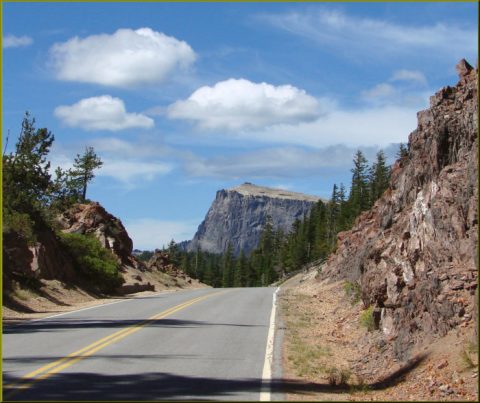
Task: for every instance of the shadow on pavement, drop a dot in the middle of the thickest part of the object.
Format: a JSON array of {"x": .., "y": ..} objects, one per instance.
[
  {"x": 68, "y": 324},
  {"x": 165, "y": 386}
]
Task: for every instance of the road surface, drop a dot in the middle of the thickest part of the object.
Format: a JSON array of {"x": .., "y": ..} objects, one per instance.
[{"x": 205, "y": 344}]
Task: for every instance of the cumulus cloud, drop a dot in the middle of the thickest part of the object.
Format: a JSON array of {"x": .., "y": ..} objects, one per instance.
[
  {"x": 372, "y": 126},
  {"x": 335, "y": 29},
  {"x": 376, "y": 124},
  {"x": 126, "y": 58},
  {"x": 12, "y": 41},
  {"x": 286, "y": 162},
  {"x": 414, "y": 76},
  {"x": 241, "y": 104},
  {"x": 101, "y": 113},
  {"x": 151, "y": 233}
]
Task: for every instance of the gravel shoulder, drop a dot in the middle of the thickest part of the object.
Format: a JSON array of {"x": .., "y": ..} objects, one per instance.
[{"x": 327, "y": 350}]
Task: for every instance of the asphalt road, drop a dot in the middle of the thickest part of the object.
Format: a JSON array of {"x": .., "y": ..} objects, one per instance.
[{"x": 206, "y": 344}]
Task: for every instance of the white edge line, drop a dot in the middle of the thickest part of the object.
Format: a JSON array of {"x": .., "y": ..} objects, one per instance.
[
  {"x": 82, "y": 309},
  {"x": 266, "y": 389}
]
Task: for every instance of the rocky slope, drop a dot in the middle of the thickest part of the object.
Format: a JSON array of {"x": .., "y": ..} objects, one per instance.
[
  {"x": 38, "y": 272},
  {"x": 93, "y": 219},
  {"x": 414, "y": 253},
  {"x": 237, "y": 216}
]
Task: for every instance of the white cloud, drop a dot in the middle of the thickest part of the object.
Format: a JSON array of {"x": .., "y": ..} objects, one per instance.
[
  {"x": 125, "y": 58},
  {"x": 101, "y": 113},
  {"x": 414, "y": 76},
  {"x": 278, "y": 162},
  {"x": 373, "y": 126},
  {"x": 12, "y": 41},
  {"x": 375, "y": 37},
  {"x": 150, "y": 233},
  {"x": 382, "y": 90},
  {"x": 285, "y": 163},
  {"x": 240, "y": 104},
  {"x": 141, "y": 148},
  {"x": 130, "y": 172}
]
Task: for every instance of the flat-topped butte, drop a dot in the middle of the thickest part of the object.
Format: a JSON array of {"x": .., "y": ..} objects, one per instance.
[{"x": 249, "y": 189}]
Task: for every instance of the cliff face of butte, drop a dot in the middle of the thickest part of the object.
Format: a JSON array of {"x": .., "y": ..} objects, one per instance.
[
  {"x": 414, "y": 253},
  {"x": 238, "y": 215}
]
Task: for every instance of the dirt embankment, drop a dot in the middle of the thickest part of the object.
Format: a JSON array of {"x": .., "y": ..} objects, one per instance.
[
  {"x": 329, "y": 354},
  {"x": 42, "y": 298}
]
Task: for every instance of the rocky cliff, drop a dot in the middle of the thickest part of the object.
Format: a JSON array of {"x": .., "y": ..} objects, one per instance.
[
  {"x": 414, "y": 253},
  {"x": 238, "y": 215},
  {"x": 47, "y": 259}
]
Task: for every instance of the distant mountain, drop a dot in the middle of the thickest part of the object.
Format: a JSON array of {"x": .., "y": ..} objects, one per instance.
[{"x": 238, "y": 215}]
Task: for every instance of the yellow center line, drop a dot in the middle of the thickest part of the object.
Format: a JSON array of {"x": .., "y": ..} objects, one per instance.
[{"x": 50, "y": 369}]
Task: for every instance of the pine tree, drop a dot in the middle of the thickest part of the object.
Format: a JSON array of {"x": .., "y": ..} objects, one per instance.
[
  {"x": 84, "y": 166},
  {"x": 402, "y": 152},
  {"x": 379, "y": 177},
  {"x": 173, "y": 253},
  {"x": 333, "y": 215},
  {"x": 227, "y": 267},
  {"x": 240, "y": 275},
  {"x": 26, "y": 177},
  {"x": 209, "y": 276},
  {"x": 185, "y": 265},
  {"x": 64, "y": 190},
  {"x": 359, "y": 192},
  {"x": 343, "y": 214}
]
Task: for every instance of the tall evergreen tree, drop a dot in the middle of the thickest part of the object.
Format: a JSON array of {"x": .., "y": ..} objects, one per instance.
[
  {"x": 26, "y": 177},
  {"x": 240, "y": 275},
  {"x": 359, "y": 192},
  {"x": 84, "y": 165},
  {"x": 379, "y": 177},
  {"x": 227, "y": 267},
  {"x": 402, "y": 152}
]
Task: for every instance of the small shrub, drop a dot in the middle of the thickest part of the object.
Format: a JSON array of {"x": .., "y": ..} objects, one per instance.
[
  {"x": 353, "y": 291},
  {"x": 20, "y": 223},
  {"x": 92, "y": 260},
  {"x": 366, "y": 319},
  {"x": 337, "y": 377},
  {"x": 466, "y": 356}
]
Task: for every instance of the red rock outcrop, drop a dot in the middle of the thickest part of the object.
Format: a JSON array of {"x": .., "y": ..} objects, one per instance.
[
  {"x": 92, "y": 218},
  {"x": 414, "y": 253},
  {"x": 44, "y": 259},
  {"x": 161, "y": 261}
]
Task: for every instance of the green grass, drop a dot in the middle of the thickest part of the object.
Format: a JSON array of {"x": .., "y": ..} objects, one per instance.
[
  {"x": 466, "y": 356},
  {"x": 306, "y": 358},
  {"x": 353, "y": 291},
  {"x": 366, "y": 319}
]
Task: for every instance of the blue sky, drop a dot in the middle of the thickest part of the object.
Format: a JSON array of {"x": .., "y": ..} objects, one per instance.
[{"x": 181, "y": 100}]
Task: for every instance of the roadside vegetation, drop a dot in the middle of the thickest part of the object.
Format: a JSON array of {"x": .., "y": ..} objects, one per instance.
[
  {"x": 93, "y": 261},
  {"x": 33, "y": 196}
]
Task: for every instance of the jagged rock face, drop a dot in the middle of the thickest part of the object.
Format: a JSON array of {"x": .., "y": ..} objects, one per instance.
[
  {"x": 238, "y": 216},
  {"x": 414, "y": 252},
  {"x": 161, "y": 261},
  {"x": 45, "y": 259},
  {"x": 92, "y": 218}
]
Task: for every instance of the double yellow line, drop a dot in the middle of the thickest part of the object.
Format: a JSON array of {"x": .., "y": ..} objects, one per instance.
[{"x": 48, "y": 370}]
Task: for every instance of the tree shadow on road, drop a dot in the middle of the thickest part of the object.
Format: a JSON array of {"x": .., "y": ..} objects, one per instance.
[
  {"x": 166, "y": 386},
  {"x": 65, "y": 324}
]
